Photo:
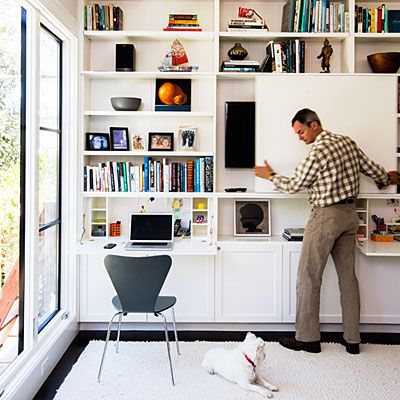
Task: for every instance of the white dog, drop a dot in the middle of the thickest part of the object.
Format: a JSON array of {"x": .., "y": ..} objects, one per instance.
[{"x": 241, "y": 365}]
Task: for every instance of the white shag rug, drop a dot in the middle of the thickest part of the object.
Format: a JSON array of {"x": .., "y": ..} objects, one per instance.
[{"x": 141, "y": 371}]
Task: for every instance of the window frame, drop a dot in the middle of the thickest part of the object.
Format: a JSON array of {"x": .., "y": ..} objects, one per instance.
[{"x": 59, "y": 131}]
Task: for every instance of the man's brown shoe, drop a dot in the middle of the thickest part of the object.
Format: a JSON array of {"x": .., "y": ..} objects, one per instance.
[{"x": 293, "y": 344}]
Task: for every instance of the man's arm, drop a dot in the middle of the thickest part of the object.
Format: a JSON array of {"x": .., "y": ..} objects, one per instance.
[
  {"x": 376, "y": 172},
  {"x": 304, "y": 175}
]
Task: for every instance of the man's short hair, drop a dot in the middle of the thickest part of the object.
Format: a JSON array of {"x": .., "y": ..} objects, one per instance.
[{"x": 305, "y": 117}]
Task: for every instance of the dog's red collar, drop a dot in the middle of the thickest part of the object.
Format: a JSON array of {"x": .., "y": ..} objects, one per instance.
[{"x": 249, "y": 360}]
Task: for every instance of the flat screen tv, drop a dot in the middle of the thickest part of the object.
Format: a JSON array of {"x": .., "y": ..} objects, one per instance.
[{"x": 239, "y": 134}]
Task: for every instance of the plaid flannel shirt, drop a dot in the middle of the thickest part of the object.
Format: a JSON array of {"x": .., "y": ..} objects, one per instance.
[{"x": 331, "y": 171}]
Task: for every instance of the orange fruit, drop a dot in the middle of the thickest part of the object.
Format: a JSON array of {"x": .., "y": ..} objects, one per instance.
[{"x": 171, "y": 94}]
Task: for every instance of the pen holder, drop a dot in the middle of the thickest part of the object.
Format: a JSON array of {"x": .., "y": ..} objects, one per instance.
[
  {"x": 115, "y": 229},
  {"x": 381, "y": 227}
]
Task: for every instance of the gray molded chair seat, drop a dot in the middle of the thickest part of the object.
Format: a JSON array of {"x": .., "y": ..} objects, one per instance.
[
  {"x": 162, "y": 304},
  {"x": 138, "y": 282}
]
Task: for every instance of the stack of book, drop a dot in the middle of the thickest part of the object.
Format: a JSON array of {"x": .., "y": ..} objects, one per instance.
[
  {"x": 293, "y": 234},
  {"x": 103, "y": 18},
  {"x": 183, "y": 22},
  {"x": 284, "y": 57},
  {"x": 240, "y": 66},
  {"x": 376, "y": 20},
  {"x": 246, "y": 24},
  {"x": 315, "y": 16},
  {"x": 150, "y": 176}
]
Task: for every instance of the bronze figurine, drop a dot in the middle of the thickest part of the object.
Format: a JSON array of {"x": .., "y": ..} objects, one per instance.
[{"x": 325, "y": 54}]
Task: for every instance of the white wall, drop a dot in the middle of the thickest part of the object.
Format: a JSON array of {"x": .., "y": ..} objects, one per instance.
[{"x": 71, "y": 6}]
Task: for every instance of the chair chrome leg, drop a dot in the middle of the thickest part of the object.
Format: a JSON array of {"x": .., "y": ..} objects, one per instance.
[
  {"x": 105, "y": 345},
  {"x": 168, "y": 348},
  {"x": 118, "y": 334},
  {"x": 175, "y": 331}
]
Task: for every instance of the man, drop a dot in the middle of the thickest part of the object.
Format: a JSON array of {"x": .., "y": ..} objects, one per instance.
[{"x": 330, "y": 172}]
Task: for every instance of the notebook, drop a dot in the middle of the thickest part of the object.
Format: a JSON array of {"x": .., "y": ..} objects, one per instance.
[{"x": 150, "y": 231}]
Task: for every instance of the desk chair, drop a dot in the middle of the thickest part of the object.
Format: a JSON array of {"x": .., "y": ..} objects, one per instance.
[{"x": 138, "y": 282}]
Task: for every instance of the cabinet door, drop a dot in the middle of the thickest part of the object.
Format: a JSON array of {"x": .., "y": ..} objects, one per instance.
[
  {"x": 191, "y": 281},
  {"x": 330, "y": 310},
  {"x": 249, "y": 282},
  {"x": 379, "y": 279},
  {"x": 96, "y": 292}
]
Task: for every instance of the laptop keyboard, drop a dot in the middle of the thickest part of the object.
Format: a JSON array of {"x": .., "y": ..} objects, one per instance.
[{"x": 156, "y": 244}]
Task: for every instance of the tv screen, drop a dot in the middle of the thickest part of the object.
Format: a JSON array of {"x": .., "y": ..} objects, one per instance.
[{"x": 239, "y": 134}]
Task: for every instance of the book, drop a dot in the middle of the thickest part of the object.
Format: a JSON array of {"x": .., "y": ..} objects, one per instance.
[
  {"x": 288, "y": 16},
  {"x": 393, "y": 21}
]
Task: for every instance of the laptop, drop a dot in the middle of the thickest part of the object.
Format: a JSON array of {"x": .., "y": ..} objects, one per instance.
[{"x": 150, "y": 231}]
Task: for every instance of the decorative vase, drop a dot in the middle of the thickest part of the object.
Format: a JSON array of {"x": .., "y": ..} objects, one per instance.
[{"x": 237, "y": 52}]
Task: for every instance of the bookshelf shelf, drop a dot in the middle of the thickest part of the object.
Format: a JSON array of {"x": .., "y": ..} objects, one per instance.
[
  {"x": 148, "y": 35},
  {"x": 153, "y": 114},
  {"x": 147, "y": 194},
  {"x": 147, "y": 153},
  {"x": 146, "y": 75},
  {"x": 278, "y": 36},
  {"x": 378, "y": 37}
]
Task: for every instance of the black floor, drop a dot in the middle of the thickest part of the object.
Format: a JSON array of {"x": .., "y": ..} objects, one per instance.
[{"x": 54, "y": 381}]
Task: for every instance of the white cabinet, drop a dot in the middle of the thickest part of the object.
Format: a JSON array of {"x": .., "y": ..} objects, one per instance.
[
  {"x": 379, "y": 279},
  {"x": 190, "y": 280},
  {"x": 248, "y": 282},
  {"x": 330, "y": 310},
  {"x": 96, "y": 292}
]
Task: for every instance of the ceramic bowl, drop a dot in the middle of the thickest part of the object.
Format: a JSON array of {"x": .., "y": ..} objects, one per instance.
[
  {"x": 384, "y": 63},
  {"x": 126, "y": 103}
]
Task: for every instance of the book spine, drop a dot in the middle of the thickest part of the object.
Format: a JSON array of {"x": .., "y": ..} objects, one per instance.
[
  {"x": 209, "y": 174},
  {"x": 190, "y": 175},
  {"x": 146, "y": 175}
]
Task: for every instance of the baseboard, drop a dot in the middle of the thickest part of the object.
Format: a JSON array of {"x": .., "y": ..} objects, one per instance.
[{"x": 218, "y": 336}]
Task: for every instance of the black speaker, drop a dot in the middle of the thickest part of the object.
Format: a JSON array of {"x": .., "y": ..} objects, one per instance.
[
  {"x": 240, "y": 137},
  {"x": 125, "y": 57}
]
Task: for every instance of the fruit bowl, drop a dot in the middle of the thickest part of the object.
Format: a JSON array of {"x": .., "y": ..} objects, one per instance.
[
  {"x": 126, "y": 103},
  {"x": 384, "y": 63}
]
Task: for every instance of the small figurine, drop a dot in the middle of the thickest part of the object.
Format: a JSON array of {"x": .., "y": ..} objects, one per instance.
[{"x": 325, "y": 54}]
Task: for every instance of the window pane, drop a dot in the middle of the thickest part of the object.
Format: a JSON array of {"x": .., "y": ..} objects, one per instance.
[
  {"x": 49, "y": 80},
  {"x": 48, "y": 273},
  {"x": 10, "y": 188},
  {"x": 48, "y": 176}
]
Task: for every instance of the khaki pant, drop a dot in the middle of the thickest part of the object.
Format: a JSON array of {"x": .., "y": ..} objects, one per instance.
[{"x": 330, "y": 230}]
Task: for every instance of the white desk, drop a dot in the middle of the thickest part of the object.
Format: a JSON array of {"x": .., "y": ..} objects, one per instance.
[{"x": 181, "y": 247}]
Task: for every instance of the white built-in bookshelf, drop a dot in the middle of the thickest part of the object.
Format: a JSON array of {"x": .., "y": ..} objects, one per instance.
[{"x": 143, "y": 24}]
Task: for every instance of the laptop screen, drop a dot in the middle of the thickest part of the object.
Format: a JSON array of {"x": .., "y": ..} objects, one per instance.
[{"x": 151, "y": 227}]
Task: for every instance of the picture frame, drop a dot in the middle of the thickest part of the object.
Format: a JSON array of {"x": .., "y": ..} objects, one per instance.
[
  {"x": 173, "y": 94},
  {"x": 138, "y": 142},
  {"x": 188, "y": 137},
  {"x": 97, "y": 141},
  {"x": 252, "y": 217},
  {"x": 161, "y": 141},
  {"x": 119, "y": 138}
]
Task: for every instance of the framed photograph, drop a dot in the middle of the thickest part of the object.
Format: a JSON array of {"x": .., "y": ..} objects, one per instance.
[
  {"x": 138, "y": 142},
  {"x": 119, "y": 138},
  {"x": 97, "y": 141},
  {"x": 161, "y": 141},
  {"x": 252, "y": 218},
  {"x": 173, "y": 94},
  {"x": 187, "y": 137}
]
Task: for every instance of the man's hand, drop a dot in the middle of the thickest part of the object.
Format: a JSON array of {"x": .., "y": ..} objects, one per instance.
[
  {"x": 394, "y": 177},
  {"x": 263, "y": 172}
]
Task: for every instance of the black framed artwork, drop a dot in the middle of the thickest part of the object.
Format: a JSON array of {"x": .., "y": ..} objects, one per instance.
[
  {"x": 119, "y": 138},
  {"x": 173, "y": 94},
  {"x": 97, "y": 141},
  {"x": 252, "y": 218},
  {"x": 161, "y": 141}
]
